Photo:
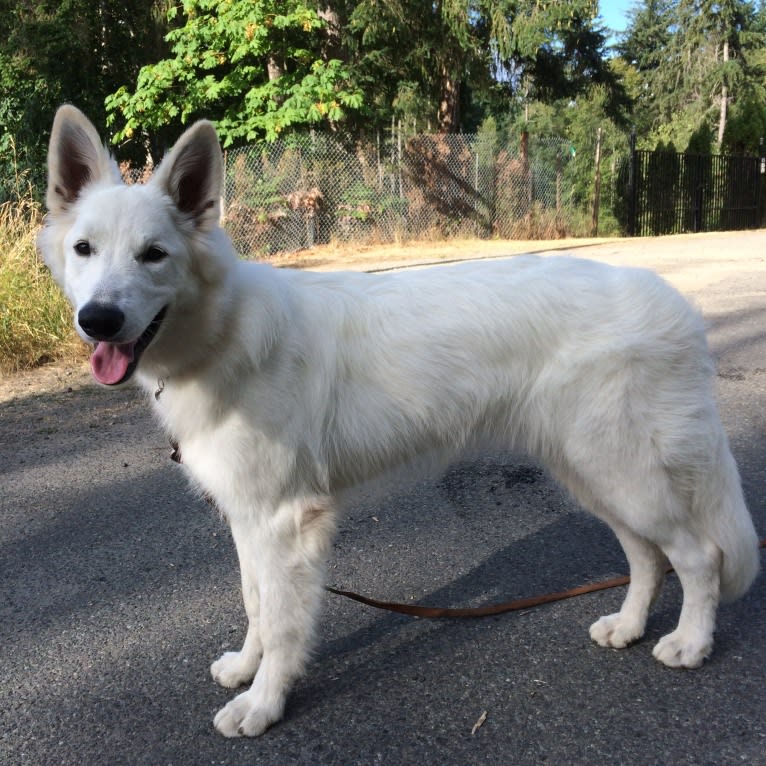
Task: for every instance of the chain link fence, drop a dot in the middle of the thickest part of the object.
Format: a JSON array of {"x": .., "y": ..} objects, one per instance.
[
  {"x": 308, "y": 190},
  {"x": 300, "y": 192}
]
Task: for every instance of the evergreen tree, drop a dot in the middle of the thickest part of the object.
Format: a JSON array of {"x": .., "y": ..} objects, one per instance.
[
  {"x": 646, "y": 39},
  {"x": 698, "y": 62}
]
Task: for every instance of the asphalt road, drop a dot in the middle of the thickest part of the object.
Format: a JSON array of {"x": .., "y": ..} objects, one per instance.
[{"x": 118, "y": 588}]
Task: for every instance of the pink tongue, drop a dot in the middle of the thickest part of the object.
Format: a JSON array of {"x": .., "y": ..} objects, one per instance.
[{"x": 109, "y": 362}]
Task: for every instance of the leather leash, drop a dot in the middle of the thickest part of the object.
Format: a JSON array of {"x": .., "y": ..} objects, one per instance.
[{"x": 431, "y": 612}]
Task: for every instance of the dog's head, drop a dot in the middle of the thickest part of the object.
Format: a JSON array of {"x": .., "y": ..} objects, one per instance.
[{"x": 131, "y": 259}]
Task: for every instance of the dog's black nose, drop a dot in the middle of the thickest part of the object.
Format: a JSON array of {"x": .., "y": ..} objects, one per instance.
[{"x": 101, "y": 321}]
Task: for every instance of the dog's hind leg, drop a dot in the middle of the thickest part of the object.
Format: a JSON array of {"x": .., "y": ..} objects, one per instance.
[
  {"x": 652, "y": 520},
  {"x": 697, "y": 562},
  {"x": 606, "y": 484},
  {"x": 714, "y": 551},
  {"x": 287, "y": 553},
  {"x": 233, "y": 669},
  {"x": 646, "y": 562}
]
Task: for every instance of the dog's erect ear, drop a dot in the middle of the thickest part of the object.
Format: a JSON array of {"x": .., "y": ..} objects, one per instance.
[
  {"x": 76, "y": 157},
  {"x": 192, "y": 175}
]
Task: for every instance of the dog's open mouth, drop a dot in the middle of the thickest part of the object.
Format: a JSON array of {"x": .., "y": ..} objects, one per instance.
[{"x": 115, "y": 363}]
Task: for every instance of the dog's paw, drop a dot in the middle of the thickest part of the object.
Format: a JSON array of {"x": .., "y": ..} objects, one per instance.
[
  {"x": 246, "y": 716},
  {"x": 615, "y": 631},
  {"x": 677, "y": 650},
  {"x": 232, "y": 669}
]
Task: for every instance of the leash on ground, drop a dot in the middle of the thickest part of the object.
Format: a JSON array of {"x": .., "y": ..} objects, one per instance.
[{"x": 431, "y": 612}]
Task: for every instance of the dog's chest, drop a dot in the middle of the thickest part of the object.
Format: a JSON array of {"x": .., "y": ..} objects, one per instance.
[
  {"x": 228, "y": 458},
  {"x": 213, "y": 463},
  {"x": 205, "y": 445}
]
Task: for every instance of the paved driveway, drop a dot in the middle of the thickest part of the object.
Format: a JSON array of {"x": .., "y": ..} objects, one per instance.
[{"x": 118, "y": 587}]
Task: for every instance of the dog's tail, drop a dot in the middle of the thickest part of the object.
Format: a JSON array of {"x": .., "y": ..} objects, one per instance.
[{"x": 720, "y": 501}]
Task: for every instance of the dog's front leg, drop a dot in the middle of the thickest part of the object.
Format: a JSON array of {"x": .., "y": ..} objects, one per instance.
[
  {"x": 233, "y": 669},
  {"x": 282, "y": 560}
]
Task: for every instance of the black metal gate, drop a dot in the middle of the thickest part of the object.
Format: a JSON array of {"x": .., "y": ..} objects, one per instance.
[{"x": 674, "y": 193}]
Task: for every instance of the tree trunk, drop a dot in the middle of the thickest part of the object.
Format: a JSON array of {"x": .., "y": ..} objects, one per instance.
[
  {"x": 448, "y": 116},
  {"x": 596, "y": 187},
  {"x": 724, "y": 98},
  {"x": 274, "y": 69},
  {"x": 332, "y": 48}
]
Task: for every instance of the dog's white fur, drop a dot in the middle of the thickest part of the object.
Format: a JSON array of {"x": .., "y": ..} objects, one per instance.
[{"x": 284, "y": 387}]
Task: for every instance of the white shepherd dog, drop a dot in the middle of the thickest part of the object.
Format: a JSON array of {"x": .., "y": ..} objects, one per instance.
[{"x": 284, "y": 387}]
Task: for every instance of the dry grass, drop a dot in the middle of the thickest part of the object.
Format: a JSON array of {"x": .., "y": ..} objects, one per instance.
[{"x": 35, "y": 318}]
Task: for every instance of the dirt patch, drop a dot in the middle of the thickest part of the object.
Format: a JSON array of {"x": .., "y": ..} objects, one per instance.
[
  {"x": 383, "y": 257},
  {"x": 52, "y": 378}
]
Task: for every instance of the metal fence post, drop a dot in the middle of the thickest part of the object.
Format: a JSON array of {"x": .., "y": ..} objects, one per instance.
[{"x": 222, "y": 214}]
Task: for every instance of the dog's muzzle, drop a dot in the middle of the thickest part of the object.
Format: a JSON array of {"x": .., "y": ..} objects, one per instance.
[{"x": 114, "y": 362}]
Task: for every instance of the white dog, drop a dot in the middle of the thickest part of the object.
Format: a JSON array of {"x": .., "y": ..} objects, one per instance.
[{"x": 284, "y": 387}]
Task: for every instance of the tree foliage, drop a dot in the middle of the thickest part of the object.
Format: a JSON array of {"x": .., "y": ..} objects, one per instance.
[
  {"x": 698, "y": 63},
  {"x": 54, "y": 52},
  {"x": 260, "y": 68},
  {"x": 257, "y": 68},
  {"x": 438, "y": 61}
]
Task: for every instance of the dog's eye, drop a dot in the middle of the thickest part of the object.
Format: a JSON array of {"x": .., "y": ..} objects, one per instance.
[
  {"x": 83, "y": 248},
  {"x": 153, "y": 254}
]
